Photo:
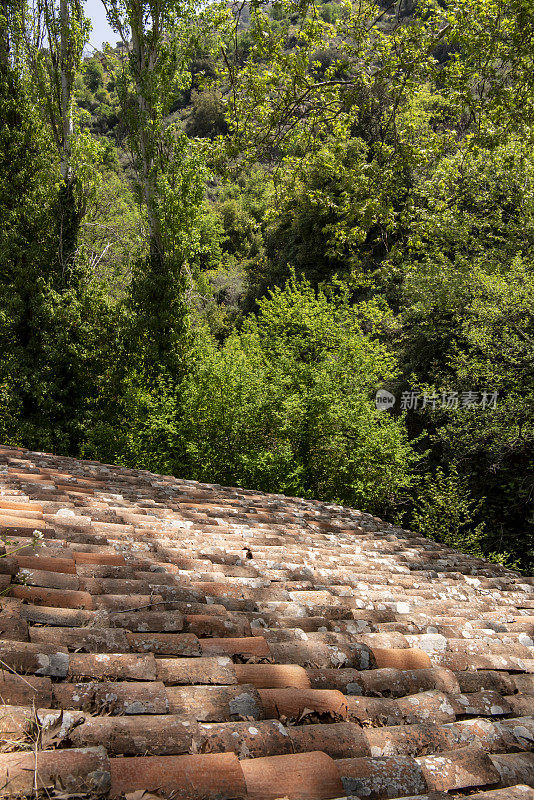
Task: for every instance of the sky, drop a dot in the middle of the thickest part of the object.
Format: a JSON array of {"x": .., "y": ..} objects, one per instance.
[{"x": 94, "y": 9}]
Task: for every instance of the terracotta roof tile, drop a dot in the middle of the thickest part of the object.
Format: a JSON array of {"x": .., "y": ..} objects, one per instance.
[
  {"x": 246, "y": 646},
  {"x": 28, "y": 692},
  {"x": 274, "y": 676},
  {"x": 119, "y": 667},
  {"x": 174, "y": 671},
  {"x": 310, "y": 776},
  {"x": 513, "y": 793},
  {"x": 217, "y": 643},
  {"x": 114, "y": 697},
  {"x": 458, "y": 769},
  {"x": 514, "y": 768},
  {"x": 84, "y": 770},
  {"x": 86, "y": 639},
  {"x": 12, "y": 626},
  {"x": 59, "y": 598},
  {"x": 61, "y": 617},
  {"x": 215, "y": 703},
  {"x": 296, "y": 704},
  {"x": 37, "y": 562},
  {"x": 136, "y": 735},
  {"x": 165, "y": 644},
  {"x": 206, "y": 777},
  {"x": 250, "y": 739},
  {"x": 376, "y": 778},
  {"x": 148, "y": 621},
  {"x": 39, "y": 659}
]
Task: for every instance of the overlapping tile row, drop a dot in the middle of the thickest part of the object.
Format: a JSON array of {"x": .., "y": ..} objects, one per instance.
[{"x": 207, "y": 643}]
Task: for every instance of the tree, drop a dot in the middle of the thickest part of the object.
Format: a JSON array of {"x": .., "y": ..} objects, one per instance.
[
  {"x": 26, "y": 176},
  {"x": 53, "y": 324},
  {"x": 50, "y": 37},
  {"x": 278, "y": 103},
  {"x": 467, "y": 313},
  {"x": 337, "y": 213},
  {"x": 287, "y": 404},
  {"x": 159, "y": 37},
  {"x": 494, "y": 446},
  {"x": 207, "y": 116},
  {"x": 491, "y": 72}
]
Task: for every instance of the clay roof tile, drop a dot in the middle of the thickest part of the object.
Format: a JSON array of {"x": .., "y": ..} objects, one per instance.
[{"x": 214, "y": 643}]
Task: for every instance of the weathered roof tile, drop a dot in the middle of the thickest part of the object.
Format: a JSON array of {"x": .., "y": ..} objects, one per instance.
[
  {"x": 215, "y": 643},
  {"x": 190, "y": 777}
]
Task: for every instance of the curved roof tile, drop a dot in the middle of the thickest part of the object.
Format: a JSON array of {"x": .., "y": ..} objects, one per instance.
[{"x": 171, "y": 638}]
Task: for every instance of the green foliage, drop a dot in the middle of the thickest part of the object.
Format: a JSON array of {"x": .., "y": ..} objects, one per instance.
[
  {"x": 138, "y": 425},
  {"x": 113, "y": 234},
  {"x": 286, "y": 404},
  {"x": 491, "y": 74},
  {"x": 336, "y": 213},
  {"x": 96, "y": 94},
  {"x": 56, "y": 343},
  {"x": 446, "y": 512},
  {"x": 496, "y": 447},
  {"x": 227, "y": 233},
  {"x": 469, "y": 327},
  {"x": 93, "y": 76},
  {"x": 477, "y": 203},
  {"x": 207, "y": 115},
  {"x": 53, "y": 326}
]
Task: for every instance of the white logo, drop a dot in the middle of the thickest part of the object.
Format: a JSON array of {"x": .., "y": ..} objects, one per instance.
[{"x": 384, "y": 400}]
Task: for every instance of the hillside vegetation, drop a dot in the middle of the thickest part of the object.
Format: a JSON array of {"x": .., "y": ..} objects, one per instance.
[{"x": 223, "y": 233}]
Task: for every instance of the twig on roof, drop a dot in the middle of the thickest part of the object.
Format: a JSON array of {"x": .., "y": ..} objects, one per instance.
[{"x": 14, "y": 671}]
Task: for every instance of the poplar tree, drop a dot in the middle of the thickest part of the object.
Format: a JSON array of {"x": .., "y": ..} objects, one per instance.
[
  {"x": 50, "y": 36},
  {"x": 159, "y": 38},
  {"x": 52, "y": 323}
]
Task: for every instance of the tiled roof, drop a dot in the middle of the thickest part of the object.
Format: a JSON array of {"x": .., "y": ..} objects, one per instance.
[{"x": 206, "y": 643}]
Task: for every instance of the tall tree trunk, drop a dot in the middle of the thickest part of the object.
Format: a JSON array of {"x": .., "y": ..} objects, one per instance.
[
  {"x": 68, "y": 216},
  {"x": 4, "y": 36},
  {"x": 66, "y": 91},
  {"x": 147, "y": 173}
]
